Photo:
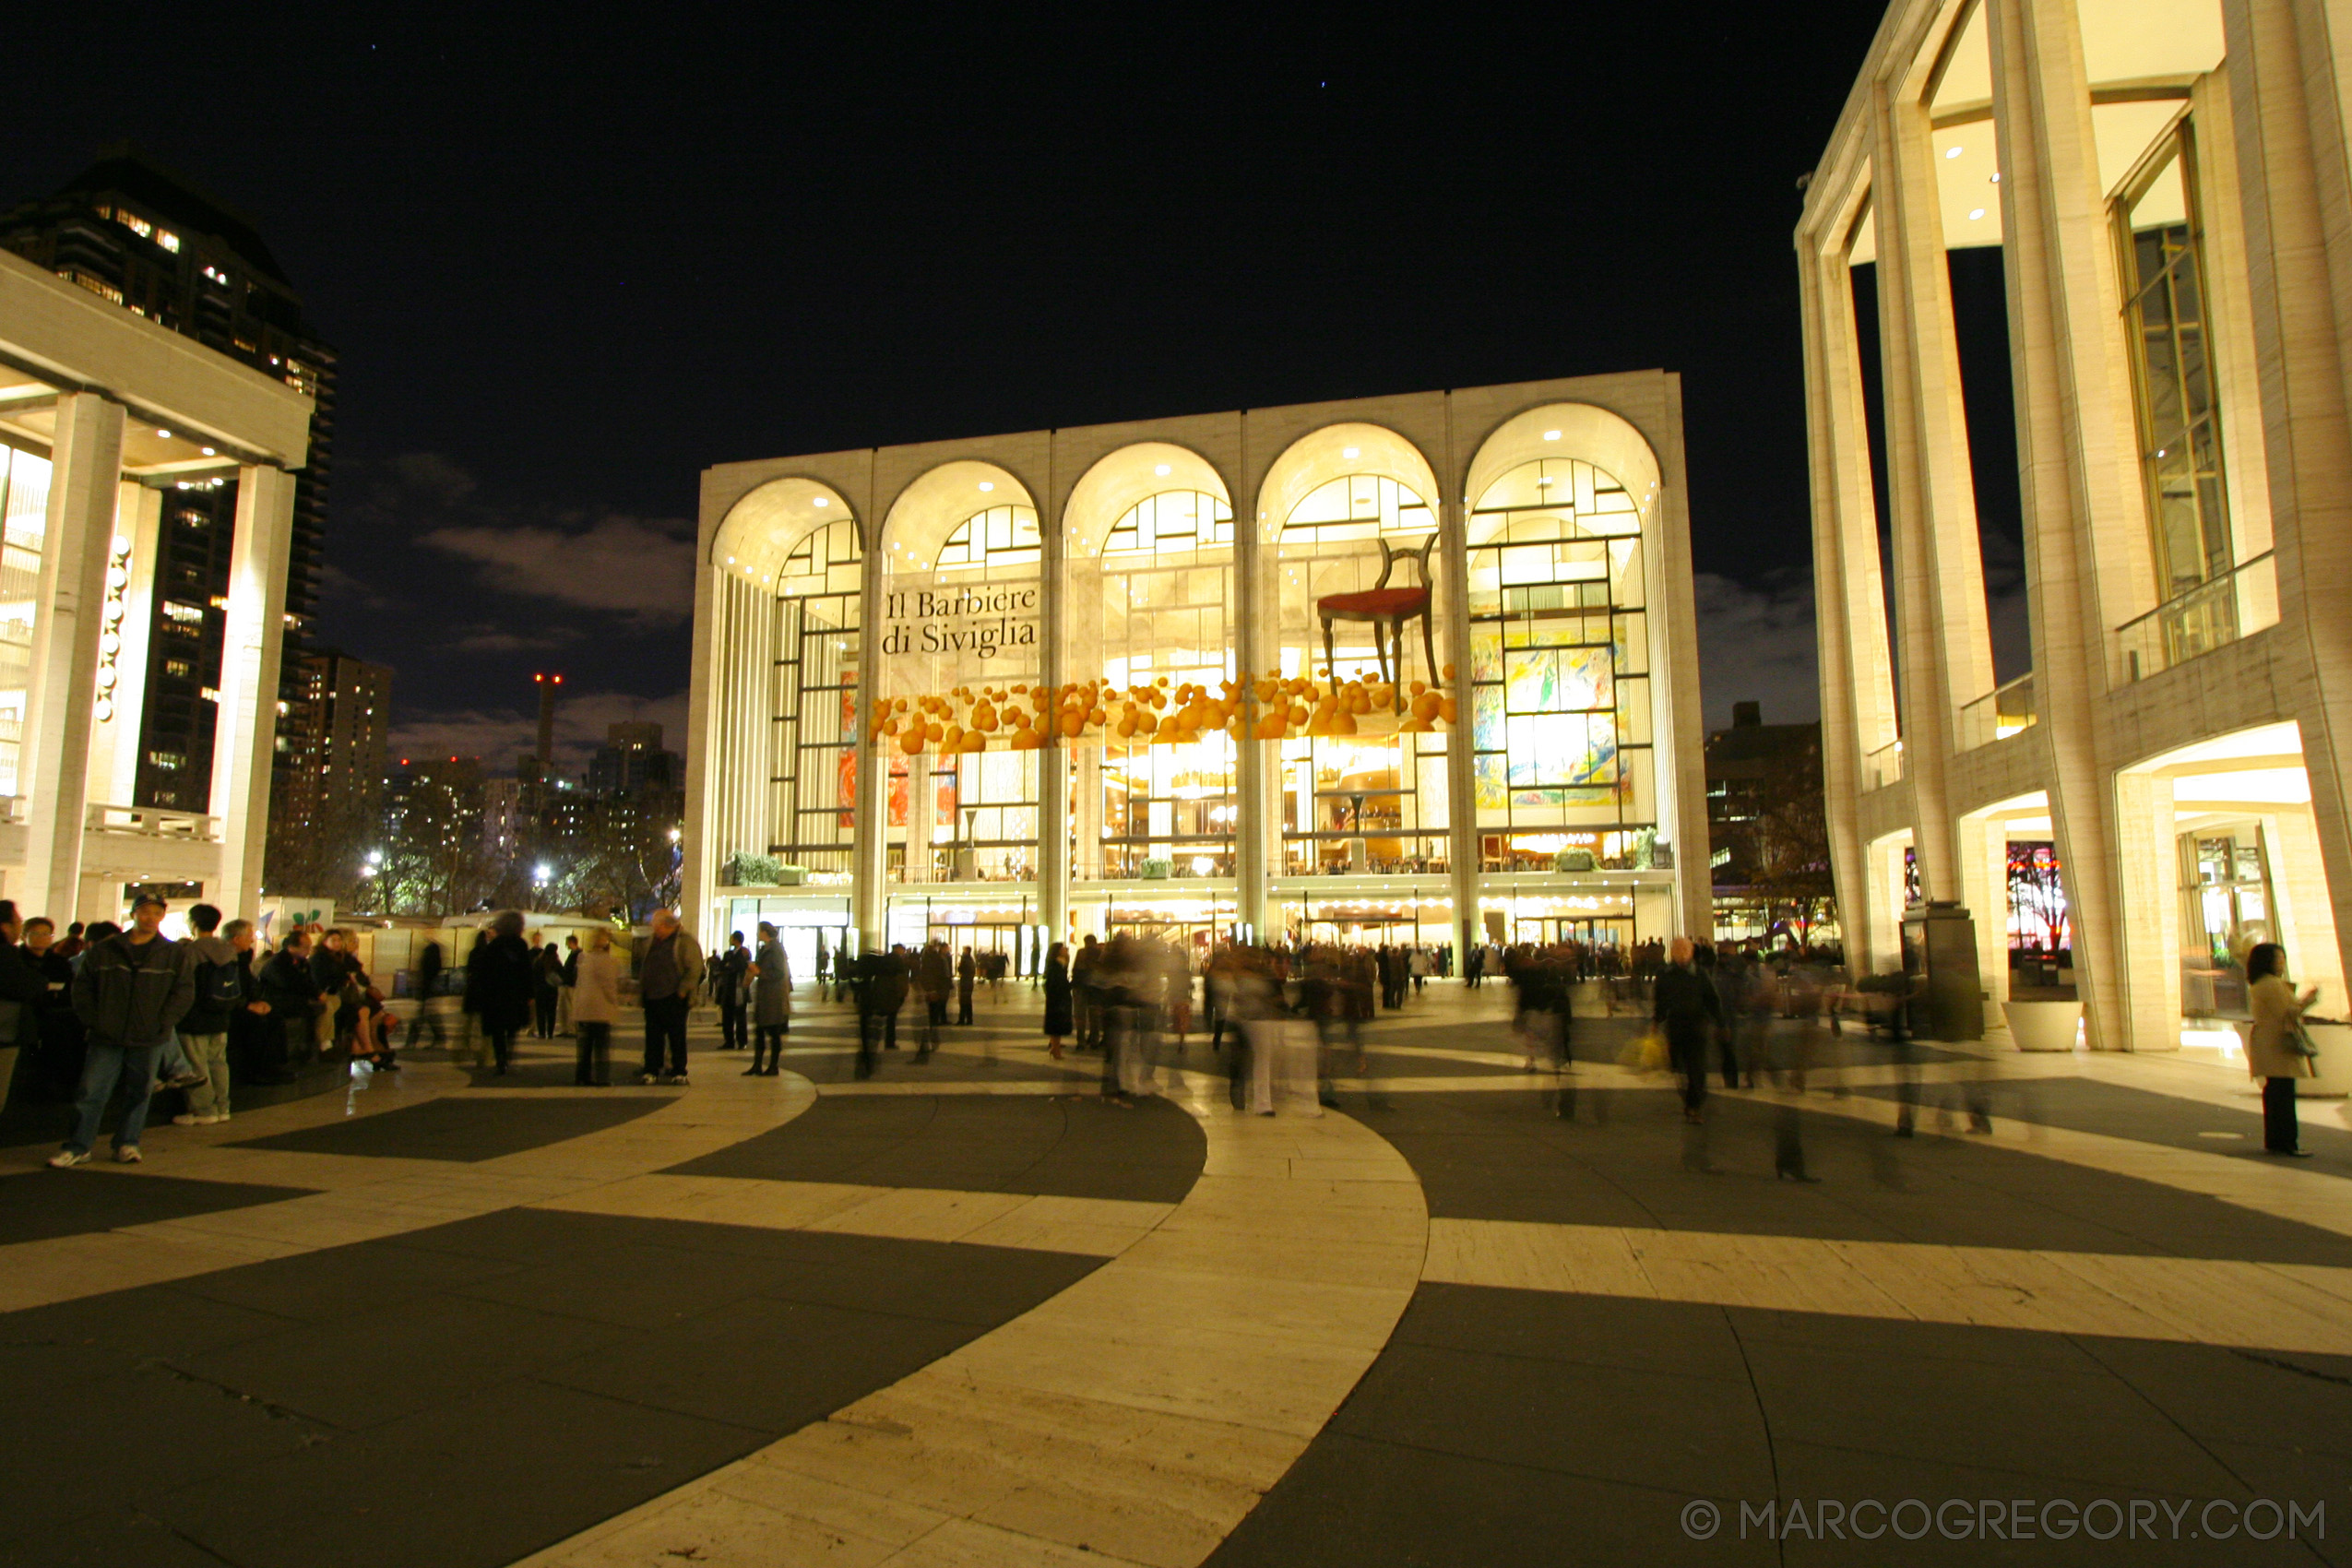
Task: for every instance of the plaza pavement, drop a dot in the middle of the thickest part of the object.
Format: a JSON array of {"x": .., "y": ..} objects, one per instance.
[{"x": 967, "y": 1312}]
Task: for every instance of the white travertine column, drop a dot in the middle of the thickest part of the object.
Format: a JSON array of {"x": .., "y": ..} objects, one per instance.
[
  {"x": 1947, "y": 651},
  {"x": 2086, "y": 537},
  {"x": 87, "y": 459},
  {"x": 1053, "y": 761},
  {"x": 870, "y": 841},
  {"x": 1858, "y": 713},
  {"x": 1464, "y": 876},
  {"x": 114, "y": 742},
  {"x": 2290, "y": 72},
  {"x": 245, "y": 733},
  {"x": 1254, "y": 837},
  {"x": 1982, "y": 844}
]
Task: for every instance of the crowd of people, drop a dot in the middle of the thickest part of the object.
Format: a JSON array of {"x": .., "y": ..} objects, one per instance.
[{"x": 105, "y": 1006}]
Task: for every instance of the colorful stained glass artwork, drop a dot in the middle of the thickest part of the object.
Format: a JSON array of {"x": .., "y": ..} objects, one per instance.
[
  {"x": 1586, "y": 678},
  {"x": 1486, "y": 654},
  {"x": 1486, "y": 717},
  {"x": 1553, "y": 750},
  {"x": 1494, "y": 782}
]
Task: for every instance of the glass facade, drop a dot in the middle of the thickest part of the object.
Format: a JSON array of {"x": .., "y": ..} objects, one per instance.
[
  {"x": 966, "y": 618},
  {"x": 1370, "y": 802},
  {"x": 1559, "y": 673},
  {"x": 816, "y": 699},
  {"x": 2160, "y": 242},
  {"x": 24, "y": 511},
  {"x": 1154, "y": 607}
]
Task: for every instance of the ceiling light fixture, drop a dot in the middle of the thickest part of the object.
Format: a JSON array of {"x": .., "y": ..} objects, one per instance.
[
  {"x": 1952, "y": 152},
  {"x": 1551, "y": 436},
  {"x": 988, "y": 484},
  {"x": 824, "y": 501},
  {"x": 1351, "y": 451},
  {"x": 1975, "y": 213},
  {"x": 1162, "y": 470}
]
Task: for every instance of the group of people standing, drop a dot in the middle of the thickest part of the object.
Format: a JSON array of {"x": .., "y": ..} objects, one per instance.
[
  {"x": 512, "y": 984},
  {"x": 753, "y": 993},
  {"x": 110, "y": 1007}
]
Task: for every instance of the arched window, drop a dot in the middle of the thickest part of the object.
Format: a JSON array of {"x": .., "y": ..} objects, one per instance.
[
  {"x": 1172, "y": 521},
  {"x": 1002, "y": 536},
  {"x": 817, "y": 697}
]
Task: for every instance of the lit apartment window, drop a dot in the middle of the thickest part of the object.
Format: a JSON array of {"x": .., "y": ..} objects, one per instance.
[
  {"x": 167, "y": 240},
  {"x": 97, "y": 286},
  {"x": 135, "y": 224},
  {"x": 2159, "y": 239},
  {"x": 168, "y": 762},
  {"x": 179, "y": 667},
  {"x": 185, "y": 614}
]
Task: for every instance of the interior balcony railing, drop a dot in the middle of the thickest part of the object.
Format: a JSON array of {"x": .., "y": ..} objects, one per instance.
[
  {"x": 1882, "y": 767},
  {"x": 2215, "y": 613},
  {"x": 1999, "y": 714}
]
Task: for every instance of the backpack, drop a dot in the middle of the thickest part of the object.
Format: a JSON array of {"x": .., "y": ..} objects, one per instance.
[{"x": 220, "y": 985}]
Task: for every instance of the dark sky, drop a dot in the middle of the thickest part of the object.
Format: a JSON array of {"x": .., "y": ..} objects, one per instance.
[{"x": 568, "y": 264}]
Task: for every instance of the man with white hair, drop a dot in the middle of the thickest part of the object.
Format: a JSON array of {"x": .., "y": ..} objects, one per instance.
[{"x": 667, "y": 979}]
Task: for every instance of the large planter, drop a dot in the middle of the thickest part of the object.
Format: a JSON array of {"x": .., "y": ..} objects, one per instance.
[
  {"x": 2335, "y": 1064},
  {"x": 2043, "y": 1025}
]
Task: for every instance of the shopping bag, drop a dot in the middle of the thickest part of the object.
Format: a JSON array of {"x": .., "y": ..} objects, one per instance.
[{"x": 1647, "y": 1054}]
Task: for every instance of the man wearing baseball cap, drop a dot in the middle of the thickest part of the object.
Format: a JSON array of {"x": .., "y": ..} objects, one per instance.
[{"x": 130, "y": 994}]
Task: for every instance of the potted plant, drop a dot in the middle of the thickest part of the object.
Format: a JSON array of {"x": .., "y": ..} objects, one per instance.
[{"x": 2043, "y": 1018}]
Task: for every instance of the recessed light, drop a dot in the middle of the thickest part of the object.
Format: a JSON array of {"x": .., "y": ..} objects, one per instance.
[
  {"x": 1551, "y": 436},
  {"x": 1996, "y": 176},
  {"x": 1952, "y": 152},
  {"x": 1544, "y": 482},
  {"x": 1975, "y": 213},
  {"x": 1163, "y": 471},
  {"x": 208, "y": 451},
  {"x": 730, "y": 560},
  {"x": 824, "y": 501},
  {"x": 163, "y": 435},
  {"x": 988, "y": 484},
  {"x": 1351, "y": 452}
]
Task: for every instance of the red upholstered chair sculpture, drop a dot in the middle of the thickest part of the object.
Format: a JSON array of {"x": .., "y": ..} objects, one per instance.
[{"x": 1387, "y": 609}]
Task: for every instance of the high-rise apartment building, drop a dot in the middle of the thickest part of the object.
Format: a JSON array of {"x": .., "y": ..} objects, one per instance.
[
  {"x": 141, "y": 238},
  {"x": 631, "y": 762},
  {"x": 332, "y": 739}
]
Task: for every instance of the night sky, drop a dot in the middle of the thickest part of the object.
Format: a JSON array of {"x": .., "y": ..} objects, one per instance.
[{"x": 569, "y": 266}]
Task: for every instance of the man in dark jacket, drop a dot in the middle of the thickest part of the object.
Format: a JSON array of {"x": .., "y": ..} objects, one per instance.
[
  {"x": 1685, "y": 1005},
  {"x": 289, "y": 993},
  {"x": 668, "y": 976},
  {"x": 882, "y": 979},
  {"x": 22, "y": 990},
  {"x": 131, "y": 992},
  {"x": 428, "y": 981}
]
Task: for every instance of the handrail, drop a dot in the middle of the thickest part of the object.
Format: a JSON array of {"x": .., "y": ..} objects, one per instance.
[
  {"x": 2213, "y": 614},
  {"x": 2005, "y": 711},
  {"x": 152, "y": 822},
  {"x": 1882, "y": 767}
]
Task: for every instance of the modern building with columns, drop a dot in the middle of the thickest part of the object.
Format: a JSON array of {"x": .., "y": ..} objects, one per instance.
[
  {"x": 105, "y": 418},
  {"x": 2167, "y": 183},
  {"x": 1551, "y": 520}
]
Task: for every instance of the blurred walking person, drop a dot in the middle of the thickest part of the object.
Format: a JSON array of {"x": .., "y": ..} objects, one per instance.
[
  {"x": 499, "y": 979},
  {"x": 596, "y": 1007}
]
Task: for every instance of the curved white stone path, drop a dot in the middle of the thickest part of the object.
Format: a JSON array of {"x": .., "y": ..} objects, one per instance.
[{"x": 1136, "y": 1417}]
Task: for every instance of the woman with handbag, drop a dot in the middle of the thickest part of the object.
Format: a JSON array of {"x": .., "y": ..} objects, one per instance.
[{"x": 2277, "y": 1050}]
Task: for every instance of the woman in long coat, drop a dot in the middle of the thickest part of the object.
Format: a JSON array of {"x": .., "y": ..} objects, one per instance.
[
  {"x": 2273, "y": 1050},
  {"x": 1057, "y": 998},
  {"x": 772, "y": 1004},
  {"x": 499, "y": 984}
]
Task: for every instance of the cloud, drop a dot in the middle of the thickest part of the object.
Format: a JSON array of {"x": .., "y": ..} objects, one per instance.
[
  {"x": 499, "y": 735},
  {"x": 483, "y": 639},
  {"x": 339, "y": 590},
  {"x": 1756, "y": 645},
  {"x": 623, "y": 565}
]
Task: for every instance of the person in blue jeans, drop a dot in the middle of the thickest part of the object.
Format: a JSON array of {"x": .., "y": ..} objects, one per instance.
[{"x": 131, "y": 994}]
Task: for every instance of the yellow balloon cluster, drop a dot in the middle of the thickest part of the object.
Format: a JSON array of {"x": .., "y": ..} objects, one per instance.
[{"x": 1270, "y": 707}]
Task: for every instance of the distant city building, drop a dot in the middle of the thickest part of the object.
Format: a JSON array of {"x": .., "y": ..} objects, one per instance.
[
  {"x": 1766, "y": 822},
  {"x": 502, "y": 817},
  {"x": 139, "y": 237},
  {"x": 632, "y": 763},
  {"x": 410, "y": 779},
  {"x": 332, "y": 740}
]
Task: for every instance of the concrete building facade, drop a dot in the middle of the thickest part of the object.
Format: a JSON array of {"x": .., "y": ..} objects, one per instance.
[
  {"x": 2167, "y": 182},
  {"x": 104, "y": 418},
  {"x": 1567, "y": 800}
]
